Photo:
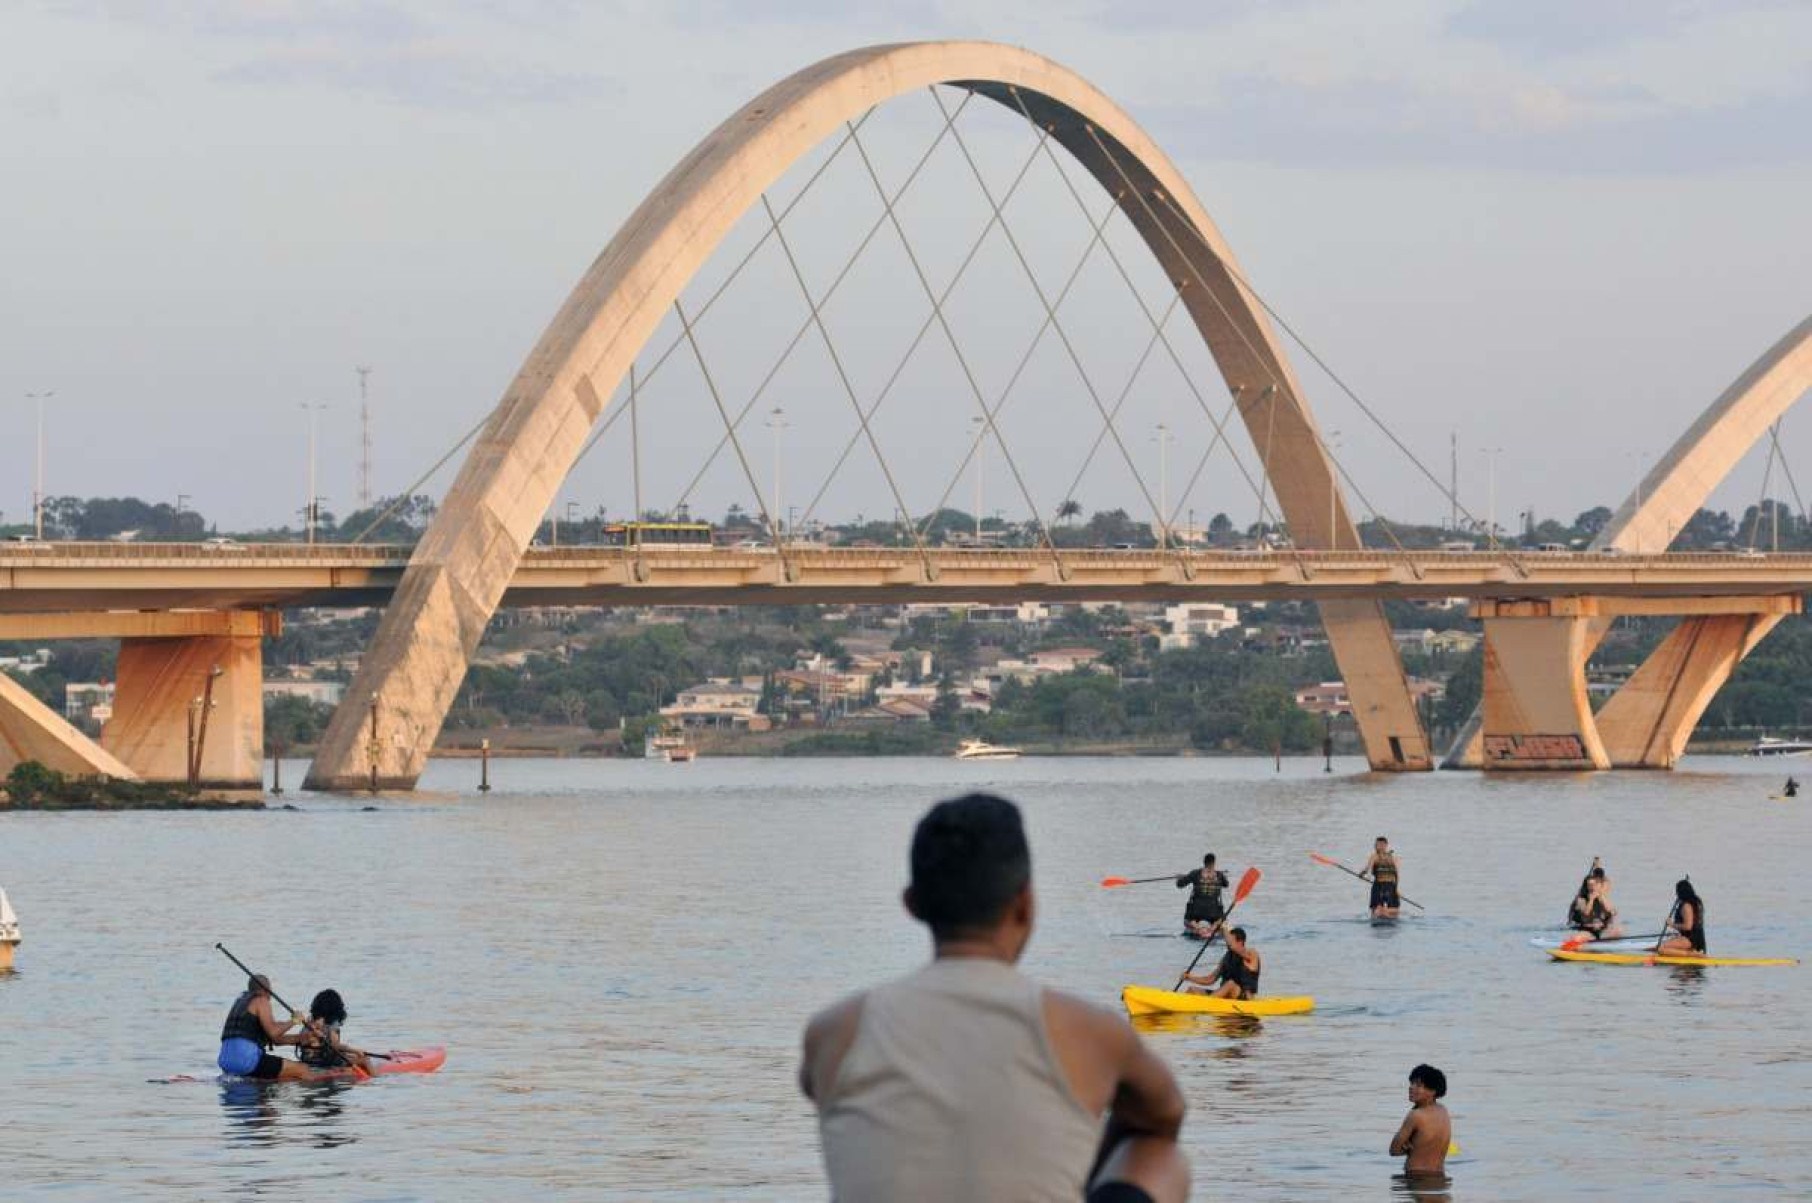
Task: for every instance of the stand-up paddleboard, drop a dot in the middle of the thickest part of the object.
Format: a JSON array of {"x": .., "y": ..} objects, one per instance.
[
  {"x": 1653, "y": 958},
  {"x": 1149, "y": 1000}
]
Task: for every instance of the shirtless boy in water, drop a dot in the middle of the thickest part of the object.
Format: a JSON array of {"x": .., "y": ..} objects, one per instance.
[{"x": 1427, "y": 1130}]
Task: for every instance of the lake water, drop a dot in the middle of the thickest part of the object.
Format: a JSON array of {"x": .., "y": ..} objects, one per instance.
[{"x": 620, "y": 956}]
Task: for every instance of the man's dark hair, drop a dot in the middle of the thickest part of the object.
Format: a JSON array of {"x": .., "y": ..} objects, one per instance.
[
  {"x": 969, "y": 861},
  {"x": 1240, "y": 932},
  {"x": 1208, "y": 861},
  {"x": 1380, "y": 840},
  {"x": 258, "y": 984},
  {"x": 1429, "y": 1076}
]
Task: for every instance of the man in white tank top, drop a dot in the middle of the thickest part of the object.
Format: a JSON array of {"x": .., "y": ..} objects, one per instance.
[{"x": 967, "y": 1080}]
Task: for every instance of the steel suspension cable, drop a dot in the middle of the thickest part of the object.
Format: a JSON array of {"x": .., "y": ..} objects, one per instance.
[
  {"x": 1063, "y": 337},
  {"x": 806, "y": 325},
  {"x": 717, "y": 400},
  {"x": 830, "y": 348},
  {"x": 912, "y": 348},
  {"x": 1220, "y": 432},
  {"x": 402, "y": 498}
]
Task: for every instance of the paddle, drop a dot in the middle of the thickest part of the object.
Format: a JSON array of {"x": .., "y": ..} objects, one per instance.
[
  {"x": 1246, "y": 885},
  {"x": 1575, "y": 943},
  {"x": 1114, "y": 883},
  {"x": 1328, "y": 860},
  {"x": 344, "y": 1059}
]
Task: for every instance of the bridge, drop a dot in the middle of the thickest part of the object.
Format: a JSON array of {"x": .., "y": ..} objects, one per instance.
[{"x": 191, "y": 618}]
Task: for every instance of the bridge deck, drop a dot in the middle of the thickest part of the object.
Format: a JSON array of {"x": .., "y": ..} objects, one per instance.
[{"x": 150, "y": 576}]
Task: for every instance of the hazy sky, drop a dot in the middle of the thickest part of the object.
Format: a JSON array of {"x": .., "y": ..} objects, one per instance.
[{"x": 1560, "y": 227}]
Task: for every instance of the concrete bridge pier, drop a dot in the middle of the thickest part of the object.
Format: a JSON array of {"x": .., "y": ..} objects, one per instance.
[
  {"x": 1536, "y": 711},
  {"x": 1647, "y": 722},
  {"x": 1537, "y": 714},
  {"x": 200, "y": 697}
]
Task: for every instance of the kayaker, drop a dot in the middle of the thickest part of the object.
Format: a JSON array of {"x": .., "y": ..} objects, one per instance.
[
  {"x": 250, "y": 1032},
  {"x": 318, "y": 1044},
  {"x": 1427, "y": 1130},
  {"x": 967, "y": 1080},
  {"x": 1204, "y": 908},
  {"x": 1687, "y": 922},
  {"x": 1593, "y": 913},
  {"x": 1237, "y": 974},
  {"x": 1381, "y": 870},
  {"x": 1791, "y": 789}
]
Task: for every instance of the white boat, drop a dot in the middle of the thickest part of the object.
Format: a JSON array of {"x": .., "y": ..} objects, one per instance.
[
  {"x": 977, "y": 749},
  {"x": 672, "y": 748},
  {"x": 9, "y": 933},
  {"x": 1767, "y": 745}
]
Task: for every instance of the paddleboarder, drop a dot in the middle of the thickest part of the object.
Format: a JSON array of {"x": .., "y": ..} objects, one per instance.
[
  {"x": 1381, "y": 870},
  {"x": 968, "y": 1080},
  {"x": 1427, "y": 1130},
  {"x": 1791, "y": 789},
  {"x": 1204, "y": 908},
  {"x": 1687, "y": 922},
  {"x": 318, "y": 1044},
  {"x": 250, "y": 1032},
  {"x": 1592, "y": 911},
  {"x": 1237, "y": 974}
]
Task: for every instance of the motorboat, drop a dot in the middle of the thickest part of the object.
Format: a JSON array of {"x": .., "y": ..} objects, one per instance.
[
  {"x": 978, "y": 749},
  {"x": 1767, "y": 745},
  {"x": 671, "y": 748}
]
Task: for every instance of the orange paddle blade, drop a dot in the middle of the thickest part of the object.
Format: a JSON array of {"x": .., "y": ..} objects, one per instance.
[
  {"x": 1246, "y": 884},
  {"x": 1323, "y": 860},
  {"x": 1114, "y": 883}
]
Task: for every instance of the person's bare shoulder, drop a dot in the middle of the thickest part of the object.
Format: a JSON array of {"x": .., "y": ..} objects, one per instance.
[
  {"x": 1092, "y": 1044},
  {"x": 828, "y": 1035}
]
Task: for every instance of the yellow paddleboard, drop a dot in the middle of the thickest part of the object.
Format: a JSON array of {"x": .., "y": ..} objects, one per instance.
[
  {"x": 1649, "y": 958},
  {"x": 1149, "y": 1000}
]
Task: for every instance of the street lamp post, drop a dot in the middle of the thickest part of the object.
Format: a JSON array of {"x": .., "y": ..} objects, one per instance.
[
  {"x": 1163, "y": 441},
  {"x": 776, "y": 422},
  {"x": 37, "y": 495},
  {"x": 980, "y": 426},
  {"x": 311, "y": 512},
  {"x": 1491, "y": 454}
]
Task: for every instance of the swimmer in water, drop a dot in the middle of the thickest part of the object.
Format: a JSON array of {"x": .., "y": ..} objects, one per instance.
[{"x": 1427, "y": 1130}]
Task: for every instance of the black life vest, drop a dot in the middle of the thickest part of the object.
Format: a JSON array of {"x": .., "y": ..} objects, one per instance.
[
  {"x": 242, "y": 1023},
  {"x": 1384, "y": 869},
  {"x": 1233, "y": 969},
  {"x": 318, "y": 1051}
]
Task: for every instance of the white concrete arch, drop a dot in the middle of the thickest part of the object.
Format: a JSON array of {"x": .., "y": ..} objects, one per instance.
[
  {"x": 1683, "y": 480},
  {"x": 412, "y": 671}
]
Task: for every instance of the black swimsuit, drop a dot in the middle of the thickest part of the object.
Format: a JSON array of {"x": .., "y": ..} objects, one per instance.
[{"x": 1233, "y": 969}]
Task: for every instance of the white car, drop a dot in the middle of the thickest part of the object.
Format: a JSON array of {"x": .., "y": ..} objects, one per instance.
[{"x": 223, "y": 543}]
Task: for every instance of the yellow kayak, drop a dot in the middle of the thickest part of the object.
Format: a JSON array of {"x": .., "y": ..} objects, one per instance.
[
  {"x": 1649, "y": 958},
  {"x": 1149, "y": 1000}
]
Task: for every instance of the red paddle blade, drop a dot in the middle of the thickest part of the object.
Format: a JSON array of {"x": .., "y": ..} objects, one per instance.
[
  {"x": 1246, "y": 884},
  {"x": 1323, "y": 860},
  {"x": 1575, "y": 944},
  {"x": 1114, "y": 883}
]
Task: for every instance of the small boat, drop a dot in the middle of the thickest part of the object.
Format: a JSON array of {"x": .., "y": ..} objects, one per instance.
[
  {"x": 1149, "y": 1000},
  {"x": 1653, "y": 958},
  {"x": 1767, "y": 745},
  {"x": 977, "y": 749},
  {"x": 670, "y": 747},
  {"x": 9, "y": 933}
]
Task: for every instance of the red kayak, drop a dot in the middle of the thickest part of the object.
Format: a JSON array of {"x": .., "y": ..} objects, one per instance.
[
  {"x": 401, "y": 1061},
  {"x": 397, "y": 1061}
]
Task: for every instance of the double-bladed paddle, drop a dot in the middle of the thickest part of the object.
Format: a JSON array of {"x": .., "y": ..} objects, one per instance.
[
  {"x": 1246, "y": 885},
  {"x": 347, "y": 1061},
  {"x": 1328, "y": 860}
]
